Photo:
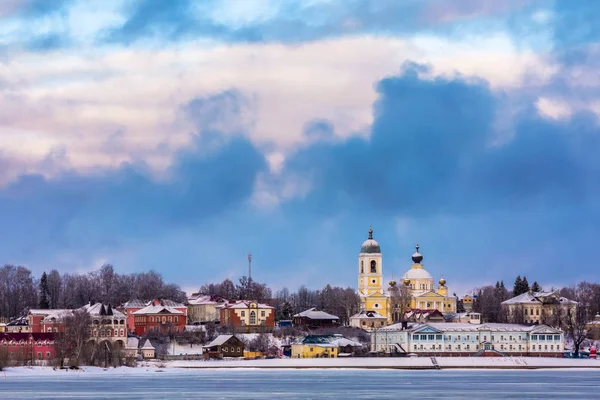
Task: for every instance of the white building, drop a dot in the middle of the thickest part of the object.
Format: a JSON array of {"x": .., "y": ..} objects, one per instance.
[{"x": 466, "y": 339}]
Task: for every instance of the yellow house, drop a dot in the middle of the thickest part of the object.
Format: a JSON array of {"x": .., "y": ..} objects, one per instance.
[{"x": 323, "y": 346}]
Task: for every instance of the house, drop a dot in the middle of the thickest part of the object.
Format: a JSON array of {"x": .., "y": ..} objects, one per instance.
[
  {"x": 131, "y": 307},
  {"x": 313, "y": 318},
  {"x": 392, "y": 339},
  {"x": 29, "y": 346},
  {"x": 128, "y": 309},
  {"x": 224, "y": 346},
  {"x": 132, "y": 347},
  {"x": 2, "y": 327},
  {"x": 108, "y": 324},
  {"x": 148, "y": 351},
  {"x": 368, "y": 320},
  {"x": 467, "y": 302},
  {"x": 47, "y": 320},
  {"x": 324, "y": 346},
  {"x": 547, "y": 308},
  {"x": 489, "y": 339},
  {"x": 204, "y": 308},
  {"x": 422, "y": 316},
  {"x": 247, "y": 316},
  {"x": 18, "y": 325},
  {"x": 593, "y": 328},
  {"x": 471, "y": 317},
  {"x": 159, "y": 317}
]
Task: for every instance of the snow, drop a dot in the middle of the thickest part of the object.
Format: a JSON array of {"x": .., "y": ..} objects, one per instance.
[
  {"x": 313, "y": 313},
  {"x": 156, "y": 310},
  {"x": 176, "y": 349},
  {"x": 219, "y": 340}
]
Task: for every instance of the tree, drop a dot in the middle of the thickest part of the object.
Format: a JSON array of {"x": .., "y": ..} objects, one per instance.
[
  {"x": 54, "y": 288},
  {"x": 518, "y": 288},
  {"x": 44, "y": 303},
  {"x": 536, "y": 287},
  {"x": 400, "y": 298},
  {"x": 525, "y": 285},
  {"x": 71, "y": 343},
  {"x": 576, "y": 322}
]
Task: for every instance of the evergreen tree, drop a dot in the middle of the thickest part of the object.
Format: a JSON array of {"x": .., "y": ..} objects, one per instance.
[
  {"x": 525, "y": 285},
  {"x": 536, "y": 287},
  {"x": 518, "y": 288},
  {"x": 44, "y": 302}
]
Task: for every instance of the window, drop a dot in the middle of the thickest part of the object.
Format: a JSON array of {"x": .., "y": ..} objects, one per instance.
[
  {"x": 458, "y": 337},
  {"x": 468, "y": 337},
  {"x": 557, "y": 338},
  {"x": 430, "y": 337},
  {"x": 225, "y": 349},
  {"x": 467, "y": 347},
  {"x": 238, "y": 350},
  {"x": 533, "y": 347},
  {"x": 151, "y": 319},
  {"x": 438, "y": 337},
  {"x": 176, "y": 319},
  {"x": 373, "y": 266},
  {"x": 243, "y": 313},
  {"x": 310, "y": 349},
  {"x": 537, "y": 312},
  {"x": 362, "y": 267},
  {"x": 39, "y": 355},
  {"x": 48, "y": 354},
  {"x": 170, "y": 319},
  {"x": 262, "y": 313},
  {"x": 458, "y": 347},
  {"x": 423, "y": 337},
  {"x": 252, "y": 317},
  {"x": 164, "y": 319}
]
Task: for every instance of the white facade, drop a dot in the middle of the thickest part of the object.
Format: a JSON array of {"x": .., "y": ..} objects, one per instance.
[{"x": 467, "y": 338}]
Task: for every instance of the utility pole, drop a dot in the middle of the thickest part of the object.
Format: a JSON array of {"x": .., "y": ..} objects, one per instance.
[{"x": 249, "y": 266}]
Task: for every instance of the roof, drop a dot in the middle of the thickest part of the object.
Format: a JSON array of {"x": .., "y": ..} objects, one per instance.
[
  {"x": 135, "y": 303},
  {"x": 220, "y": 340},
  {"x": 20, "y": 336},
  {"x": 99, "y": 309},
  {"x": 157, "y": 310},
  {"x": 396, "y": 327},
  {"x": 205, "y": 299},
  {"x": 57, "y": 315},
  {"x": 418, "y": 313},
  {"x": 172, "y": 303},
  {"x": 132, "y": 343},
  {"x": 313, "y": 313},
  {"x": 534, "y": 298},
  {"x": 333, "y": 340},
  {"x": 148, "y": 345},
  {"x": 368, "y": 314},
  {"x": 417, "y": 273},
  {"x": 467, "y": 327},
  {"x": 244, "y": 304}
]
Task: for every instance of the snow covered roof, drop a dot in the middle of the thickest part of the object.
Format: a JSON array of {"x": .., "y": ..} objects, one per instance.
[
  {"x": 467, "y": 327},
  {"x": 534, "y": 298},
  {"x": 313, "y": 313},
  {"x": 132, "y": 343},
  {"x": 205, "y": 299},
  {"x": 244, "y": 304},
  {"x": 135, "y": 303},
  {"x": 100, "y": 309},
  {"x": 368, "y": 314},
  {"x": 220, "y": 340},
  {"x": 334, "y": 340},
  {"x": 157, "y": 310},
  {"x": 57, "y": 315},
  {"x": 147, "y": 345},
  {"x": 172, "y": 303},
  {"x": 396, "y": 327}
]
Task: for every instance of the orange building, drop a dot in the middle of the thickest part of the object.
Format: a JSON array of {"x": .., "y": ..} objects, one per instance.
[{"x": 160, "y": 316}]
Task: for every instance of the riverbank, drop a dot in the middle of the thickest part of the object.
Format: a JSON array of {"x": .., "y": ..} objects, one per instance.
[
  {"x": 398, "y": 363},
  {"x": 418, "y": 363}
]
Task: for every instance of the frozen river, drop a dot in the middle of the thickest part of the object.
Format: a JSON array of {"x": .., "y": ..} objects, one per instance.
[{"x": 306, "y": 384}]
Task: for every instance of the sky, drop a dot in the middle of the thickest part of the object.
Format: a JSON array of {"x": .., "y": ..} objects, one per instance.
[{"x": 181, "y": 135}]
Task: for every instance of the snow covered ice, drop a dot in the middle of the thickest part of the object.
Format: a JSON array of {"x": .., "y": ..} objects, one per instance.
[{"x": 176, "y": 383}]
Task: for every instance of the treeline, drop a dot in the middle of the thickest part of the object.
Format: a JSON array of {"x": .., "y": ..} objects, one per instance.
[
  {"x": 21, "y": 291},
  {"x": 341, "y": 302}
]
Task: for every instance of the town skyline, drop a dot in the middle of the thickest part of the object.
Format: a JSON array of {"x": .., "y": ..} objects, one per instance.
[{"x": 180, "y": 138}]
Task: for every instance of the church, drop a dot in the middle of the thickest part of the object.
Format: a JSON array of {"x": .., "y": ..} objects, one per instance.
[{"x": 417, "y": 284}]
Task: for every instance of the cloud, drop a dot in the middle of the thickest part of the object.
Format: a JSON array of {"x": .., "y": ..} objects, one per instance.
[{"x": 432, "y": 151}]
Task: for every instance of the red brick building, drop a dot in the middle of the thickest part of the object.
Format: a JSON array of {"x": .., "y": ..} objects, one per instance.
[
  {"x": 161, "y": 315},
  {"x": 28, "y": 346},
  {"x": 131, "y": 308},
  {"x": 247, "y": 316},
  {"x": 47, "y": 321}
]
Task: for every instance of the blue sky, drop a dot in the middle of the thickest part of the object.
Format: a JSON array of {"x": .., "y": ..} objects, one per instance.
[{"x": 179, "y": 136}]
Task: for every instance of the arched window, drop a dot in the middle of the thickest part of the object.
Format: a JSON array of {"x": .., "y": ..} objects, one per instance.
[
  {"x": 373, "y": 266},
  {"x": 362, "y": 267},
  {"x": 252, "y": 317}
]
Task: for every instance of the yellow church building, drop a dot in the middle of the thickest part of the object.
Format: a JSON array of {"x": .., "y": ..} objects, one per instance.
[{"x": 417, "y": 281}]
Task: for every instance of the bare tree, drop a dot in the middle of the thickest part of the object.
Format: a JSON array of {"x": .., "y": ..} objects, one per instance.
[
  {"x": 400, "y": 297},
  {"x": 54, "y": 288}
]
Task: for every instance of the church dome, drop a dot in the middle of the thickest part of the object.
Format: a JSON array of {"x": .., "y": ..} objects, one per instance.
[
  {"x": 417, "y": 257},
  {"x": 370, "y": 245},
  {"x": 417, "y": 273}
]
